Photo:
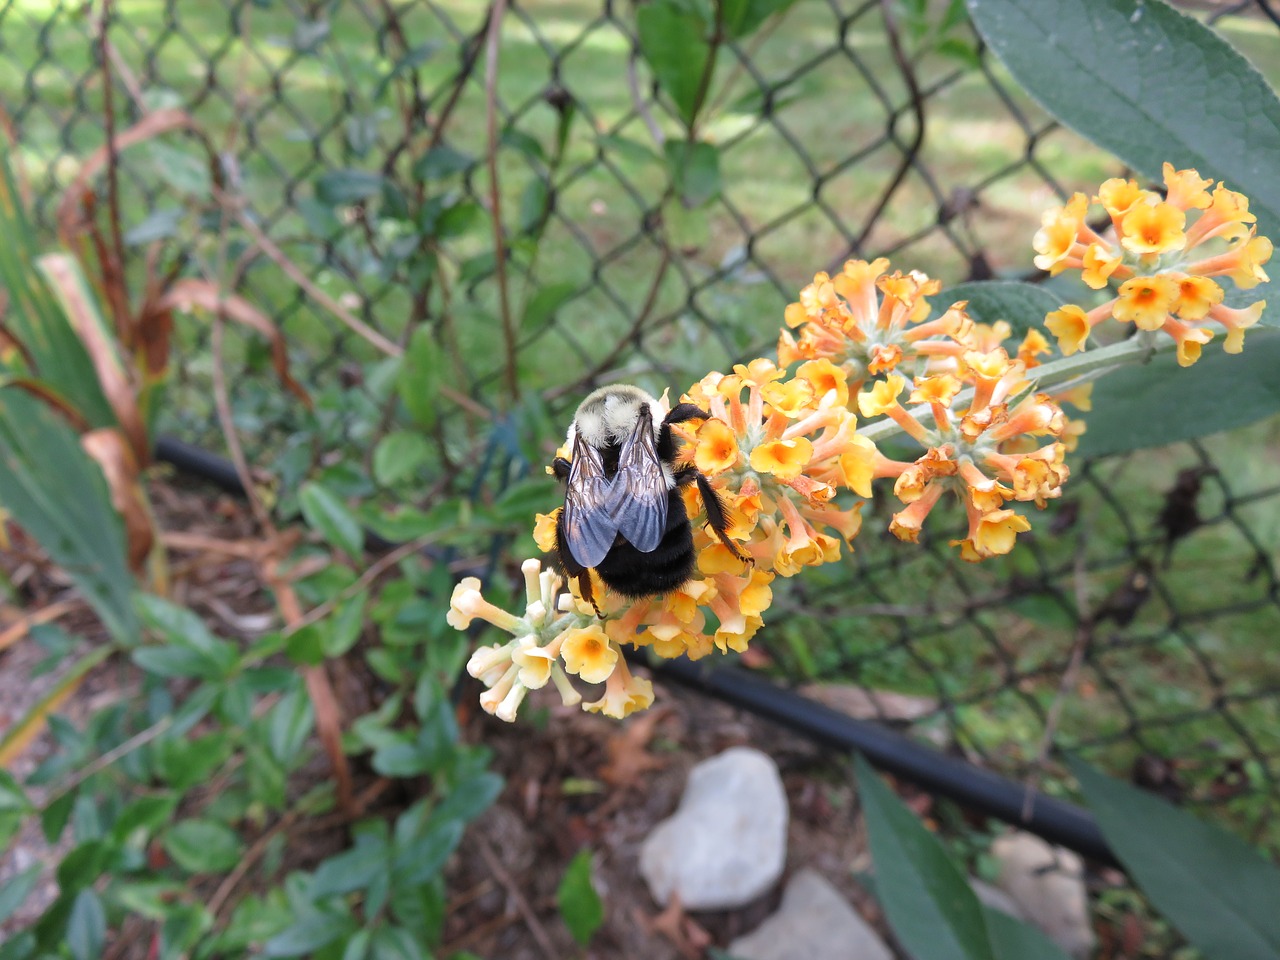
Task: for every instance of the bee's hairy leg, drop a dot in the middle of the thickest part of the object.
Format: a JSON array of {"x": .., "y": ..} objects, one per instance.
[
  {"x": 587, "y": 591},
  {"x": 717, "y": 519},
  {"x": 560, "y": 467}
]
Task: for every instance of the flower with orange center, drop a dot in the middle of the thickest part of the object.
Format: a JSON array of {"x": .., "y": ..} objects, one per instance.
[
  {"x": 1034, "y": 345},
  {"x": 1153, "y": 229},
  {"x": 830, "y": 383},
  {"x": 544, "y": 530},
  {"x": 784, "y": 459},
  {"x": 1195, "y": 296},
  {"x": 1146, "y": 301},
  {"x": 716, "y": 448},
  {"x": 790, "y": 398},
  {"x": 588, "y": 653},
  {"x": 1242, "y": 263}
]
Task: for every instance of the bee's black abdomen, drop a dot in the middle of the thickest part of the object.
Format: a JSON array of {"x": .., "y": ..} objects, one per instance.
[{"x": 627, "y": 571}]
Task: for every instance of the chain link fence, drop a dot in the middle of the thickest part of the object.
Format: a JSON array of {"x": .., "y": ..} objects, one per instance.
[{"x": 1136, "y": 625}]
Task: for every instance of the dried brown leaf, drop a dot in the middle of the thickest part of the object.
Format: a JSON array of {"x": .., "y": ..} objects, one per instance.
[
  {"x": 111, "y": 452},
  {"x": 191, "y": 294},
  {"x": 151, "y": 125},
  {"x": 68, "y": 283}
]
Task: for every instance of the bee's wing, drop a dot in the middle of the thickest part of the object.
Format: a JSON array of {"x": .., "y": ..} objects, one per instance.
[
  {"x": 589, "y": 526},
  {"x": 639, "y": 493}
]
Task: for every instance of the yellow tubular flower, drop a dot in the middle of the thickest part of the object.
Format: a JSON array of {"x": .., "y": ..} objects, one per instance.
[
  {"x": 1195, "y": 296},
  {"x": 1237, "y": 320},
  {"x": 1118, "y": 196},
  {"x": 588, "y": 653},
  {"x": 1146, "y": 301},
  {"x": 544, "y": 530},
  {"x": 1098, "y": 264},
  {"x": 1186, "y": 189},
  {"x": 624, "y": 694},
  {"x": 784, "y": 459},
  {"x": 716, "y": 450},
  {"x": 883, "y": 396},
  {"x": 1071, "y": 326},
  {"x": 1059, "y": 229},
  {"x": 1153, "y": 228}
]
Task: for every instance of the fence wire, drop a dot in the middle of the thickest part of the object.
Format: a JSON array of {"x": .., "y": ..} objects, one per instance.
[{"x": 842, "y": 129}]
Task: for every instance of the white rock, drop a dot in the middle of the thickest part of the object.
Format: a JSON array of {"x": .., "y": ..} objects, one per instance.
[
  {"x": 996, "y": 899},
  {"x": 813, "y": 921},
  {"x": 727, "y": 841},
  {"x": 1047, "y": 884}
]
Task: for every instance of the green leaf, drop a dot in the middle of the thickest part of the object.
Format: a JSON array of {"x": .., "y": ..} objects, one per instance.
[
  {"x": 1160, "y": 403},
  {"x": 694, "y": 169},
  {"x": 470, "y": 798},
  {"x": 340, "y": 187},
  {"x": 329, "y": 516},
  {"x": 143, "y": 815},
  {"x": 15, "y": 890},
  {"x": 87, "y": 926},
  {"x": 926, "y": 899},
  {"x": 542, "y": 306},
  {"x": 741, "y": 18},
  {"x": 203, "y": 846},
  {"x": 357, "y": 947},
  {"x": 399, "y": 455},
  {"x": 353, "y": 869},
  {"x": 311, "y": 931},
  {"x": 395, "y": 943},
  {"x": 342, "y": 630},
  {"x": 419, "y": 379},
  {"x": 442, "y": 161},
  {"x": 1149, "y": 84},
  {"x": 1021, "y": 305},
  {"x": 580, "y": 905},
  {"x": 306, "y": 645},
  {"x": 1014, "y": 940},
  {"x": 535, "y": 205},
  {"x": 633, "y": 151},
  {"x": 673, "y": 42},
  {"x": 1221, "y": 893},
  {"x": 51, "y": 486},
  {"x": 185, "y": 171}
]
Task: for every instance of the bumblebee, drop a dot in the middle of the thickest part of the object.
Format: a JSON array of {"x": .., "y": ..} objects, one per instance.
[{"x": 623, "y": 513}]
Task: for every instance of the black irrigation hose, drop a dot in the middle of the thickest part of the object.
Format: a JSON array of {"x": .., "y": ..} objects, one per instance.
[{"x": 971, "y": 786}]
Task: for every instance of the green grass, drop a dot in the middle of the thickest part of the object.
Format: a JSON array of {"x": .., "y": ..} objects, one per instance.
[{"x": 288, "y": 114}]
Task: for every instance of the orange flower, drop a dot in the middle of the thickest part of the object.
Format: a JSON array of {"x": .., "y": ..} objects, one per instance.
[
  {"x": 1153, "y": 229},
  {"x": 716, "y": 448},
  {"x": 588, "y": 653},
  {"x": 1071, "y": 326},
  {"x": 1146, "y": 301}
]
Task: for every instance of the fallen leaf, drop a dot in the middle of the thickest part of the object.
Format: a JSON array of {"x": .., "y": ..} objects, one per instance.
[{"x": 629, "y": 759}]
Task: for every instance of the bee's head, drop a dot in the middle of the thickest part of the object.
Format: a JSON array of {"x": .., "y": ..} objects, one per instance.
[{"x": 609, "y": 414}]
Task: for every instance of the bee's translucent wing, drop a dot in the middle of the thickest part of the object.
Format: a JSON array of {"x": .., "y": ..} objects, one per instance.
[
  {"x": 639, "y": 492},
  {"x": 589, "y": 526}
]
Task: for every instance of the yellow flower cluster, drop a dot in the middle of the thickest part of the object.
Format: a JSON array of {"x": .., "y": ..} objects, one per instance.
[{"x": 1163, "y": 264}]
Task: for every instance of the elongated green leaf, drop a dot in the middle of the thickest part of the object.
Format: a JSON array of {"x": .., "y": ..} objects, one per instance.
[
  {"x": 419, "y": 380},
  {"x": 87, "y": 926},
  {"x": 1215, "y": 888},
  {"x": 741, "y": 18},
  {"x": 51, "y": 486},
  {"x": 399, "y": 455},
  {"x": 16, "y": 890},
  {"x": 925, "y": 898},
  {"x": 580, "y": 905},
  {"x": 1021, "y": 305},
  {"x": 339, "y": 187},
  {"x": 34, "y": 317},
  {"x": 329, "y": 517},
  {"x": 1149, "y": 84},
  {"x": 1160, "y": 403},
  {"x": 673, "y": 42}
]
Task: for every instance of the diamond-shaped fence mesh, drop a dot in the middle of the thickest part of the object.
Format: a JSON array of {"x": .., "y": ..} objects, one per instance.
[{"x": 841, "y": 129}]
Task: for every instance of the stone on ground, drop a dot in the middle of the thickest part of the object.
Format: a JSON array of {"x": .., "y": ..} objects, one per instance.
[
  {"x": 727, "y": 841},
  {"x": 813, "y": 921},
  {"x": 1047, "y": 884}
]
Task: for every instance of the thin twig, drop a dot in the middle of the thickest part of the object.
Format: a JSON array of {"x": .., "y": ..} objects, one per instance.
[
  {"x": 642, "y": 108},
  {"x": 495, "y": 200},
  {"x": 295, "y": 273},
  {"x": 112, "y": 262},
  {"x": 521, "y": 904},
  {"x": 142, "y": 738},
  {"x": 366, "y": 578}
]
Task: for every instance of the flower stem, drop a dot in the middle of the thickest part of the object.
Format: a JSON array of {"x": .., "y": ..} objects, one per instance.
[{"x": 1049, "y": 377}]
